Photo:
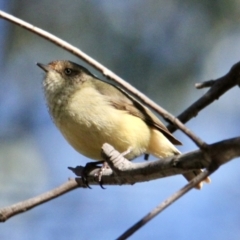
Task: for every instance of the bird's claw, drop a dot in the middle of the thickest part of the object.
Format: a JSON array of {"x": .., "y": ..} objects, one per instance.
[
  {"x": 83, "y": 172},
  {"x": 99, "y": 174}
]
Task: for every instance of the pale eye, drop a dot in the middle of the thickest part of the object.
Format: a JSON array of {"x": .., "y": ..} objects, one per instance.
[{"x": 68, "y": 71}]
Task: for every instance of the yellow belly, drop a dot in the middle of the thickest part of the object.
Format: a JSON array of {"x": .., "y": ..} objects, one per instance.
[
  {"x": 88, "y": 127},
  {"x": 121, "y": 131}
]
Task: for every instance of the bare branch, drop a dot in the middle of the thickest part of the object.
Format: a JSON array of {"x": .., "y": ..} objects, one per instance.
[
  {"x": 166, "y": 203},
  {"x": 217, "y": 90},
  {"x": 231, "y": 150},
  {"x": 105, "y": 71},
  {"x": 10, "y": 211},
  {"x": 221, "y": 85},
  {"x": 205, "y": 84},
  {"x": 220, "y": 153},
  {"x": 129, "y": 173}
]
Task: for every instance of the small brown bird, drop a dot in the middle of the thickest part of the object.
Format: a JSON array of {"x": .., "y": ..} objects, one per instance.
[{"x": 90, "y": 112}]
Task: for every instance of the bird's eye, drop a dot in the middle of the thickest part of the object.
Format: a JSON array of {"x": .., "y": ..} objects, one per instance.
[{"x": 68, "y": 71}]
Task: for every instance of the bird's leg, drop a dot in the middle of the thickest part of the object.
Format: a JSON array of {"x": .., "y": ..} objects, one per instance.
[
  {"x": 146, "y": 156},
  {"x": 105, "y": 166}
]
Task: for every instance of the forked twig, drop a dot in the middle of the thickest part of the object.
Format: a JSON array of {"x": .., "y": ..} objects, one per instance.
[
  {"x": 205, "y": 84},
  {"x": 220, "y": 86}
]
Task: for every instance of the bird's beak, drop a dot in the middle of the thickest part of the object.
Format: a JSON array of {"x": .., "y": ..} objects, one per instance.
[{"x": 45, "y": 67}]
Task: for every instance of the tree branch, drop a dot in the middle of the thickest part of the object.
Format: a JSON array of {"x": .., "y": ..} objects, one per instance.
[
  {"x": 220, "y": 86},
  {"x": 106, "y": 72},
  {"x": 166, "y": 203},
  {"x": 228, "y": 150},
  {"x": 10, "y": 211},
  {"x": 221, "y": 152},
  {"x": 205, "y": 84}
]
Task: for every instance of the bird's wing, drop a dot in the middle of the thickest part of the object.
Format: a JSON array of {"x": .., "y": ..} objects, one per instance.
[{"x": 123, "y": 101}]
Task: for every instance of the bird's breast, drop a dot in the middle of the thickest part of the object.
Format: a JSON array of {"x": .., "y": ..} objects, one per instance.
[{"x": 89, "y": 120}]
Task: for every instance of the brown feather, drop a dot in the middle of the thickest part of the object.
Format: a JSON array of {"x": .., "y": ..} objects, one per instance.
[{"x": 123, "y": 101}]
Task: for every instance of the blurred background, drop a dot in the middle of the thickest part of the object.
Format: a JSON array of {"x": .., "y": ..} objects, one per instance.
[{"x": 162, "y": 48}]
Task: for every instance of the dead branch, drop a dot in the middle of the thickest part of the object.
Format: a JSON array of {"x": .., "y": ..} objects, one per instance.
[
  {"x": 231, "y": 150},
  {"x": 205, "y": 84},
  {"x": 106, "y": 72},
  {"x": 220, "y": 86},
  {"x": 166, "y": 203},
  {"x": 10, "y": 211},
  {"x": 130, "y": 173}
]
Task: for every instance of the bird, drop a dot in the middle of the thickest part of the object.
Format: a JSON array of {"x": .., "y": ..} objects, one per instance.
[{"x": 90, "y": 112}]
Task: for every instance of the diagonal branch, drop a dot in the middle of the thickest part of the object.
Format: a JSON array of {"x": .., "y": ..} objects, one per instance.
[
  {"x": 220, "y": 86},
  {"x": 205, "y": 84},
  {"x": 166, "y": 203},
  {"x": 10, "y": 211},
  {"x": 231, "y": 150},
  {"x": 105, "y": 71}
]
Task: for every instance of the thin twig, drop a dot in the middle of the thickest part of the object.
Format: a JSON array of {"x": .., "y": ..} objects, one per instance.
[
  {"x": 205, "y": 84},
  {"x": 221, "y": 85},
  {"x": 166, "y": 203},
  {"x": 106, "y": 72},
  {"x": 10, "y": 211}
]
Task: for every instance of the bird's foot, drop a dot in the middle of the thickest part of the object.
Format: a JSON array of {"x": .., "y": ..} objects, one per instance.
[{"x": 84, "y": 171}]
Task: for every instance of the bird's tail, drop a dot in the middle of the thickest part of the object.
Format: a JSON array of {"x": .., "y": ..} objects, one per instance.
[
  {"x": 161, "y": 147},
  {"x": 190, "y": 175}
]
